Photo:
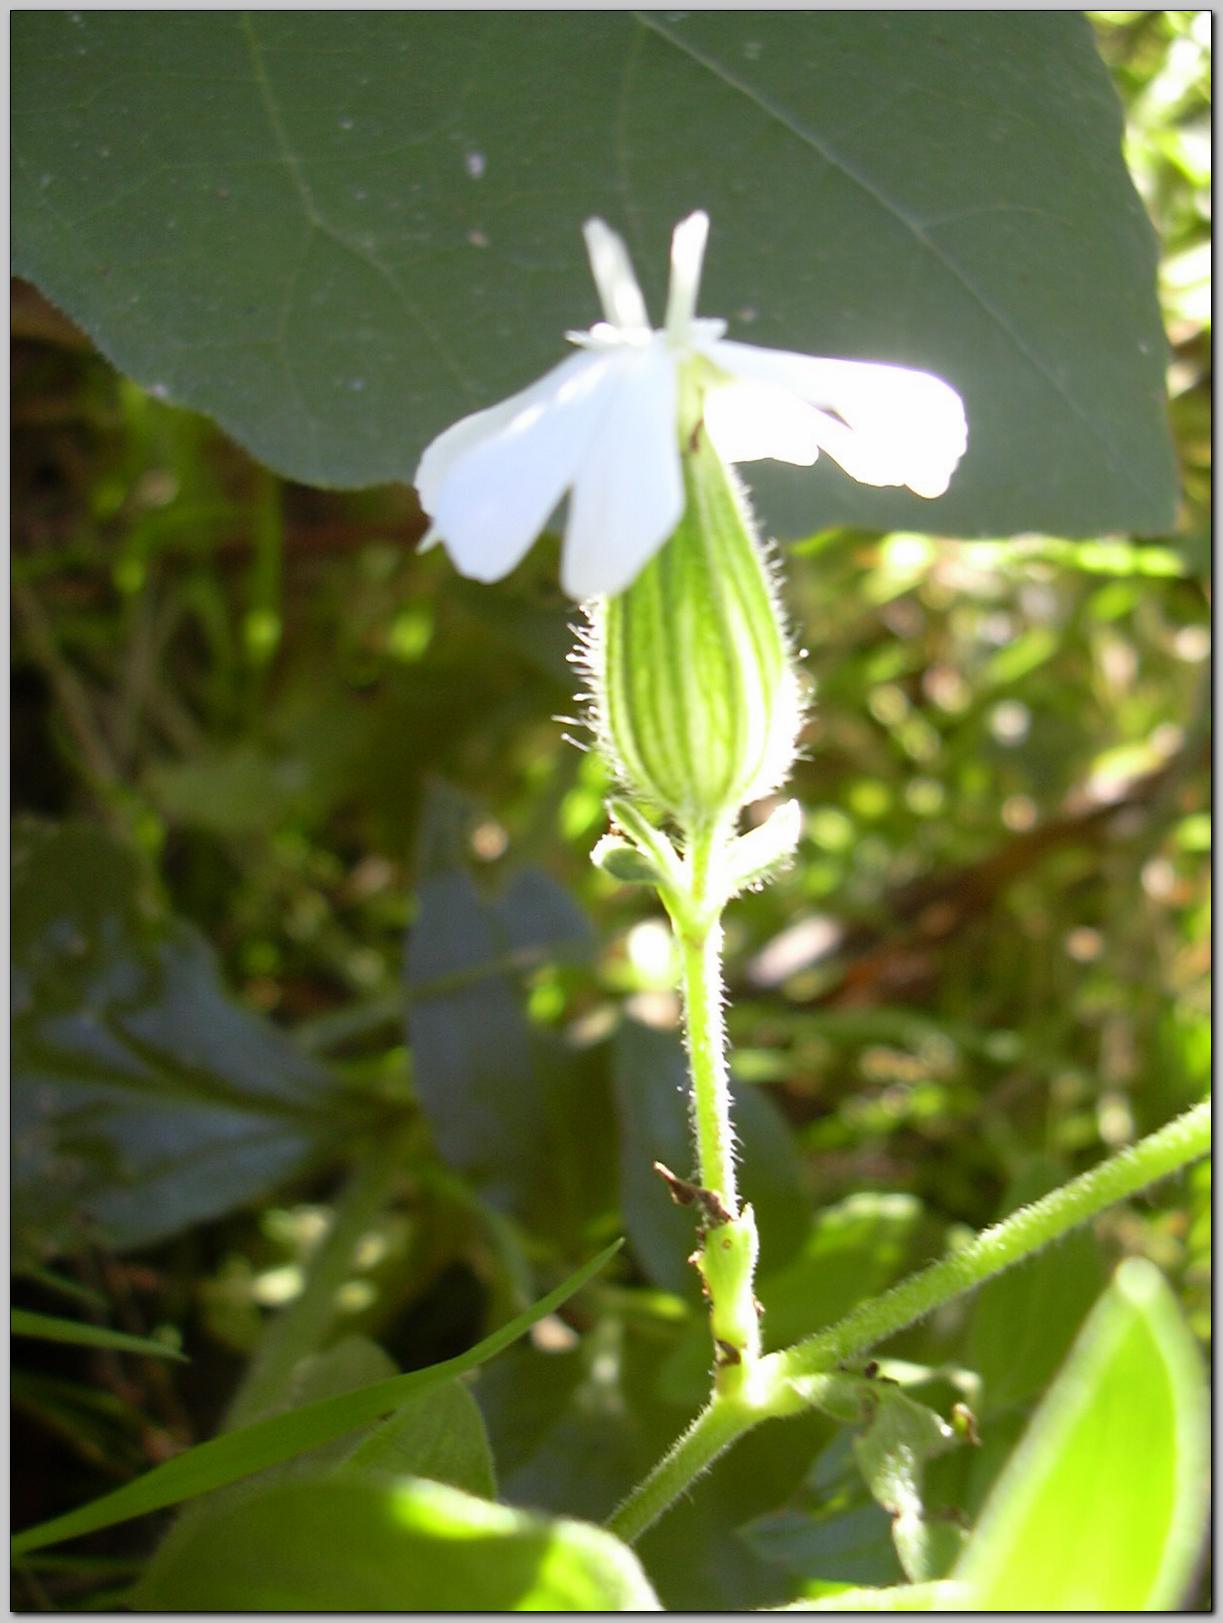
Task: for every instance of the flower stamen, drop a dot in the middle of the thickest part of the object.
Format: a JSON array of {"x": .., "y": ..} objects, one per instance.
[
  {"x": 612, "y": 269},
  {"x": 687, "y": 257}
]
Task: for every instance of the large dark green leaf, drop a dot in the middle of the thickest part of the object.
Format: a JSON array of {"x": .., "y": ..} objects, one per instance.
[
  {"x": 144, "y": 1098},
  {"x": 336, "y": 232}
]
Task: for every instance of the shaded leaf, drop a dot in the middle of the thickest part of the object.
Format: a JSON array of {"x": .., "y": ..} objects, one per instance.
[
  {"x": 439, "y": 1435},
  {"x": 144, "y": 1098},
  {"x": 1024, "y": 1321},
  {"x": 847, "y": 1544},
  {"x": 476, "y": 1061},
  {"x": 337, "y": 234}
]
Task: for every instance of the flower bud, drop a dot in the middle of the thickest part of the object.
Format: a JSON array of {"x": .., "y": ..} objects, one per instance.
[{"x": 695, "y": 693}]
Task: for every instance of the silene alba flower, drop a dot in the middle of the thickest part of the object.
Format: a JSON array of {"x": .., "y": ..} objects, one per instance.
[{"x": 607, "y": 426}]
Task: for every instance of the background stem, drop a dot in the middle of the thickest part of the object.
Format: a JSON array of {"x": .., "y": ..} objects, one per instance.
[{"x": 302, "y": 1326}]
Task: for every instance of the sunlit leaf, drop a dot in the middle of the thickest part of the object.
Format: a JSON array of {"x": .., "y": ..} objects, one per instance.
[
  {"x": 396, "y": 1544},
  {"x": 1103, "y": 1506},
  {"x": 902, "y": 1598}
]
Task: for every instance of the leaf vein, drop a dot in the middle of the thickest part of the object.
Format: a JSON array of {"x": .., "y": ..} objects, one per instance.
[{"x": 915, "y": 227}]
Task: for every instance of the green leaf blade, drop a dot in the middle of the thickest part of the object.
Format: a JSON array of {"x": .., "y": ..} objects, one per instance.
[
  {"x": 1102, "y": 1507},
  {"x": 46, "y": 1327},
  {"x": 240, "y": 1453},
  {"x": 400, "y": 1544}
]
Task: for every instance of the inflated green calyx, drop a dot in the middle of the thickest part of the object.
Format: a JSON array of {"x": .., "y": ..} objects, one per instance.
[{"x": 694, "y": 688}]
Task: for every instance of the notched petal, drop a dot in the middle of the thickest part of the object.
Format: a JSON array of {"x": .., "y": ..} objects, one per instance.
[
  {"x": 750, "y": 421},
  {"x": 491, "y": 482},
  {"x": 628, "y": 495},
  {"x": 885, "y": 425}
]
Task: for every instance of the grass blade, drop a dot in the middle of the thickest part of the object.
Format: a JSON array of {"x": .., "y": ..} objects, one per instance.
[
  {"x": 238, "y": 1454},
  {"x": 45, "y": 1327}
]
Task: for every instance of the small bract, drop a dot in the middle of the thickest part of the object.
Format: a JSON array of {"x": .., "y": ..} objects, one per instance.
[{"x": 605, "y": 426}]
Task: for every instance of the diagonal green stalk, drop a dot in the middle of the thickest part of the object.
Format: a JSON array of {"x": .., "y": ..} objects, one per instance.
[
  {"x": 1030, "y": 1229},
  {"x": 784, "y": 1382},
  {"x": 721, "y": 1423}
]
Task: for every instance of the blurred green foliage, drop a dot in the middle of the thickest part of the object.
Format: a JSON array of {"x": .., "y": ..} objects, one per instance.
[{"x": 988, "y": 966}]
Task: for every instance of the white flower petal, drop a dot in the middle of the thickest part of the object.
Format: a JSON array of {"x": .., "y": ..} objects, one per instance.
[
  {"x": 748, "y": 421},
  {"x": 891, "y": 425},
  {"x": 612, "y": 270},
  {"x": 490, "y": 482},
  {"x": 687, "y": 256},
  {"x": 441, "y": 454},
  {"x": 628, "y": 495}
]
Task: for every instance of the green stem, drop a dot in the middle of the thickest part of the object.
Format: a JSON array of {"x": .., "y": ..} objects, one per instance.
[
  {"x": 995, "y": 1249},
  {"x": 300, "y": 1328},
  {"x": 710, "y": 1434},
  {"x": 702, "y": 972},
  {"x": 699, "y": 930},
  {"x": 727, "y": 1258},
  {"x": 776, "y": 1388}
]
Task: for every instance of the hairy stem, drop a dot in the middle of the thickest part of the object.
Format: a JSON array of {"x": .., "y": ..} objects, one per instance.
[
  {"x": 702, "y": 970},
  {"x": 995, "y": 1249},
  {"x": 779, "y": 1381},
  {"x": 710, "y": 1434},
  {"x": 729, "y": 1245}
]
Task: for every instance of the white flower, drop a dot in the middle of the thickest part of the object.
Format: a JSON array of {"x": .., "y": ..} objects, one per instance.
[{"x": 604, "y": 427}]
